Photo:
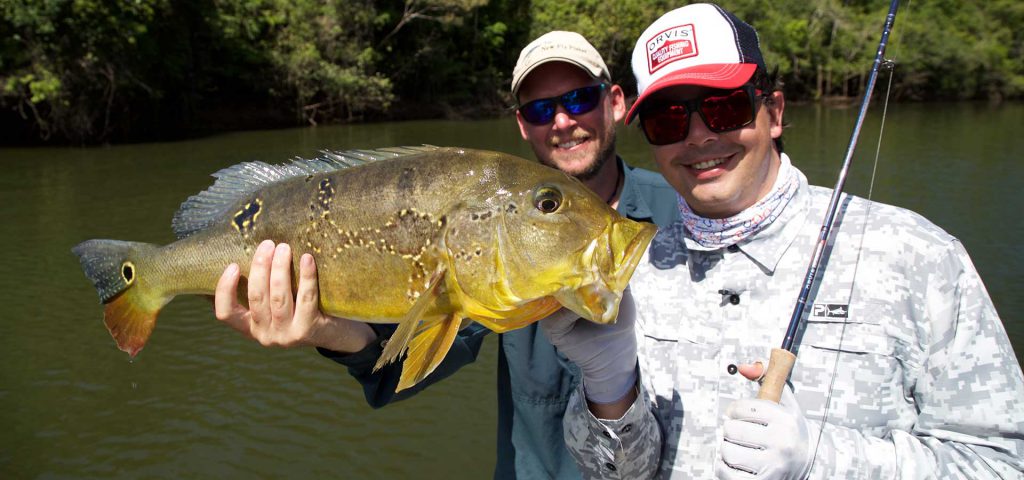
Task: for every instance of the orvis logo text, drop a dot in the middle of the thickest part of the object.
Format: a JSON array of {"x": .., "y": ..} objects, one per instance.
[{"x": 673, "y": 44}]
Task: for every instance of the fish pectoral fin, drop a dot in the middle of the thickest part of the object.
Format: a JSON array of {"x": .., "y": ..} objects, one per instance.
[
  {"x": 520, "y": 317},
  {"x": 427, "y": 350},
  {"x": 409, "y": 325}
]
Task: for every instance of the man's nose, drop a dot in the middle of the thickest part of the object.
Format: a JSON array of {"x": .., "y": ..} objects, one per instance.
[
  {"x": 563, "y": 119},
  {"x": 699, "y": 131}
]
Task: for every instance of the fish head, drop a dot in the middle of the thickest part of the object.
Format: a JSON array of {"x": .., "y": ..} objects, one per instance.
[
  {"x": 552, "y": 237},
  {"x": 604, "y": 269}
]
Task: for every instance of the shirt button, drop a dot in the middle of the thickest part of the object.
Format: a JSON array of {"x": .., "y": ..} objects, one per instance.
[
  {"x": 610, "y": 466},
  {"x": 733, "y": 248},
  {"x": 628, "y": 428}
]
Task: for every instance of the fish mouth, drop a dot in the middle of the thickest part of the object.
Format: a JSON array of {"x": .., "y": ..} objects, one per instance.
[{"x": 611, "y": 258}]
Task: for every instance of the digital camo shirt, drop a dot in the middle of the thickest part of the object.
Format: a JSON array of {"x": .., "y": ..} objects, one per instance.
[{"x": 901, "y": 334}]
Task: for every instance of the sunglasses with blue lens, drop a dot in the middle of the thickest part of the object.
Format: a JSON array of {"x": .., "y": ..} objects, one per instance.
[{"x": 576, "y": 102}]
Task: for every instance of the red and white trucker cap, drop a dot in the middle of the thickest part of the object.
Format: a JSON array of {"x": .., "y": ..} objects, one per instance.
[{"x": 699, "y": 44}]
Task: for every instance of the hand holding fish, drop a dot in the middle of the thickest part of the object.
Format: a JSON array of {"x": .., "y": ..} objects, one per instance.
[
  {"x": 276, "y": 317},
  {"x": 765, "y": 440},
  {"x": 606, "y": 355}
]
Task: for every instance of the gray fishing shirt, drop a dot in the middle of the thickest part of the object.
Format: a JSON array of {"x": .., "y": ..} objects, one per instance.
[{"x": 903, "y": 359}]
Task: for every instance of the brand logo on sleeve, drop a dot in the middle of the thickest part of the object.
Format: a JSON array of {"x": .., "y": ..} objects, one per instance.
[
  {"x": 830, "y": 310},
  {"x": 673, "y": 44}
]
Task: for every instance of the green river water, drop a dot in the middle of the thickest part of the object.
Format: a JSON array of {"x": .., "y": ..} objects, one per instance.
[{"x": 202, "y": 402}]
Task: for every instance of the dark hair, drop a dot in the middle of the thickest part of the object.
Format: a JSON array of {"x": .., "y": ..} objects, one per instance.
[{"x": 770, "y": 82}]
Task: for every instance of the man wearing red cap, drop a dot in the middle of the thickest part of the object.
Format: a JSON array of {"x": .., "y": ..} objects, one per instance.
[{"x": 904, "y": 369}]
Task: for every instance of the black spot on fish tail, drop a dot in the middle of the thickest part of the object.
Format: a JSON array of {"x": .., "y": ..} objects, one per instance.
[{"x": 128, "y": 272}]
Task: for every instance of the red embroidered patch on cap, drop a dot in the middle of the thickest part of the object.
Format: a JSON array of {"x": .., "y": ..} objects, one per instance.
[{"x": 672, "y": 44}]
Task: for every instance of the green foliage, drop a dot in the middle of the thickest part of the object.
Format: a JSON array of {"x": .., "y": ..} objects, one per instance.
[
  {"x": 88, "y": 71},
  {"x": 67, "y": 65},
  {"x": 612, "y": 27},
  {"x": 318, "y": 52}
]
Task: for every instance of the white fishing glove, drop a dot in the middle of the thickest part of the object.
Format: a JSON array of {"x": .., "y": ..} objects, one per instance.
[
  {"x": 606, "y": 354},
  {"x": 766, "y": 440}
]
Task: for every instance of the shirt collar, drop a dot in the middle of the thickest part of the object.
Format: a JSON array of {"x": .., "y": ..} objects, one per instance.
[
  {"x": 767, "y": 246},
  {"x": 631, "y": 203}
]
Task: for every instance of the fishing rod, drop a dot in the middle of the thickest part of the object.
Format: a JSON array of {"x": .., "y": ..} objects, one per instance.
[{"x": 782, "y": 359}]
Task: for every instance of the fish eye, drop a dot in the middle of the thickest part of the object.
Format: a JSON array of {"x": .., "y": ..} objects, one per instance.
[{"x": 547, "y": 200}]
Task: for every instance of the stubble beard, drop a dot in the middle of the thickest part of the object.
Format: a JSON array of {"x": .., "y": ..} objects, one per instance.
[{"x": 603, "y": 156}]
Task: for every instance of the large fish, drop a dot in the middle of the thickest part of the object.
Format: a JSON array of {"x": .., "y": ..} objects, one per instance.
[{"x": 424, "y": 237}]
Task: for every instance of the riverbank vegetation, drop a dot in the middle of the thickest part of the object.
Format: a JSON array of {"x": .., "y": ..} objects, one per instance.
[{"x": 101, "y": 71}]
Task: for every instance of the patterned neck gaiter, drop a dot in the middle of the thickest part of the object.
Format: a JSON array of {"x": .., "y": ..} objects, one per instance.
[{"x": 715, "y": 233}]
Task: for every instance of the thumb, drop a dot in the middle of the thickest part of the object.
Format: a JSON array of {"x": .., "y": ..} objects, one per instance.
[
  {"x": 558, "y": 324},
  {"x": 752, "y": 371}
]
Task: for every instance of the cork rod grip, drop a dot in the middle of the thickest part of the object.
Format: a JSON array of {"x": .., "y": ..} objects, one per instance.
[{"x": 774, "y": 380}]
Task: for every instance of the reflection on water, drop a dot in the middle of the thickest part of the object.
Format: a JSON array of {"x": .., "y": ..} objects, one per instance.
[{"x": 201, "y": 401}]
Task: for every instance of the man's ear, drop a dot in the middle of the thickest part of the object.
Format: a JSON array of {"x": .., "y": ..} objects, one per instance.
[
  {"x": 618, "y": 99},
  {"x": 522, "y": 125},
  {"x": 776, "y": 103}
]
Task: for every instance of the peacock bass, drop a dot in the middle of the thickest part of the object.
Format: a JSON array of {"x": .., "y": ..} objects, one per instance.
[{"x": 424, "y": 237}]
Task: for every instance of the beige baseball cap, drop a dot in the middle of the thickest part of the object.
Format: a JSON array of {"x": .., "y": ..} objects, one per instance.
[{"x": 558, "y": 46}]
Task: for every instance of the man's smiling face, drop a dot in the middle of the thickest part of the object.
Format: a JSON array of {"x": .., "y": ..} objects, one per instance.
[
  {"x": 721, "y": 174},
  {"x": 575, "y": 144}
]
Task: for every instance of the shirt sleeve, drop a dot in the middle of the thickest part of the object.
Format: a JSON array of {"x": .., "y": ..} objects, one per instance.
[
  {"x": 968, "y": 391},
  {"x": 625, "y": 448},
  {"x": 379, "y": 387}
]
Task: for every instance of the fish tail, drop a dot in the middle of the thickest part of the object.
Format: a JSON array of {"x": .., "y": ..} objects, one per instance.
[{"x": 131, "y": 300}]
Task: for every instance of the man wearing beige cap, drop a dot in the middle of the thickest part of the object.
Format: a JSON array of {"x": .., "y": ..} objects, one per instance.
[
  {"x": 904, "y": 369},
  {"x": 567, "y": 110}
]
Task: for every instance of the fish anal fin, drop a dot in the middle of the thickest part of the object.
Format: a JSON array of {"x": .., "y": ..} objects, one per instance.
[
  {"x": 522, "y": 316},
  {"x": 409, "y": 325},
  {"x": 427, "y": 350}
]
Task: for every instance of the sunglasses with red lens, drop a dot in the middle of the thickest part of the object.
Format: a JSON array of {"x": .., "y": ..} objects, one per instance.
[
  {"x": 667, "y": 121},
  {"x": 576, "y": 102}
]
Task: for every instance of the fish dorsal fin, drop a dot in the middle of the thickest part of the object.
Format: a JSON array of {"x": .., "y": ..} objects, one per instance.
[{"x": 239, "y": 181}]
